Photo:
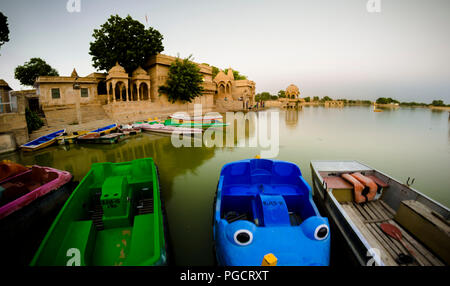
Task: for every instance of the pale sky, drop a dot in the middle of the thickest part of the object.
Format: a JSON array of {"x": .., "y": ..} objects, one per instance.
[{"x": 325, "y": 47}]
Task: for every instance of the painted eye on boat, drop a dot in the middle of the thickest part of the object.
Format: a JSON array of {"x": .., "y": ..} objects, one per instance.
[
  {"x": 321, "y": 232},
  {"x": 243, "y": 237}
]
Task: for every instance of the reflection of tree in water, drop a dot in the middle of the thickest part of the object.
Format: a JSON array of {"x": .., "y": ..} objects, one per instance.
[{"x": 291, "y": 118}]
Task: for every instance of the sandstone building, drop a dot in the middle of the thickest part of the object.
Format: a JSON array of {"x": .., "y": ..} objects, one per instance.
[{"x": 124, "y": 98}]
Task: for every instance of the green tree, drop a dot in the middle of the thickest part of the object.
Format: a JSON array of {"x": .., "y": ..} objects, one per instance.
[
  {"x": 236, "y": 74},
  {"x": 438, "y": 103},
  {"x": 315, "y": 98},
  {"x": 33, "y": 120},
  {"x": 126, "y": 41},
  {"x": 307, "y": 99},
  {"x": 184, "y": 81},
  {"x": 31, "y": 70},
  {"x": 327, "y": 98},
  {"x": 215, "y": 71},
  {"x": 282, "y": 94},
  {"x": 4, "y": 30}
]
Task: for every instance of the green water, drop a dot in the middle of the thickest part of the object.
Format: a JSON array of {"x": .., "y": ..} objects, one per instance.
[{"x": 402, "y": 143}]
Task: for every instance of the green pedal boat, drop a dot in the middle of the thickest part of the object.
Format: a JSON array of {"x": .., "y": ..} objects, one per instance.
[{"x": 114, "y": 217}]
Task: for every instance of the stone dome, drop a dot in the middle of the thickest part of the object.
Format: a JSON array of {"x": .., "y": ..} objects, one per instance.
[
  {"x": 139, "y": 71},
  {"x": 292, "y": 90},
  {"x": 117, "y": 69}
]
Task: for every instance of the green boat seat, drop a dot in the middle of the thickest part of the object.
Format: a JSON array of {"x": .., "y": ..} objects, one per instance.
[
  {"x": 115, "y": 202},
  {"x": 80, "y": 236},
  {"x": 140, "y": 172},
  {"x": 142, "y": 241},
  {"x": 101, "y": 171}
]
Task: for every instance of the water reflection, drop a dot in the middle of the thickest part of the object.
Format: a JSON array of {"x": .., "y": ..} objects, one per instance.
[
  {"x": 291, "y": 118},
  {"x": 407, "y": 142}
]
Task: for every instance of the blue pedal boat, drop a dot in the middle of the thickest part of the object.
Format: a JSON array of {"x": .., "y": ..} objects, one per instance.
[{"x": 265, "y": 207}]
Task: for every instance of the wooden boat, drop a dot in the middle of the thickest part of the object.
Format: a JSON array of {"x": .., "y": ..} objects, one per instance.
[
  {"x": 113, "y": 217},
  {"x": 9, "y": 169},
  {"x": 105, "y": 130},
  {"x": 96, "y": 138},
  {"x": 265, "y": 207},
  {"x": 163, "y": 129},
  {"x": 420, "y": 221},
  {"x": 42, "y": 141},
  {"x": 129, "y": 130},
  {"x": 29, "y": 201},
  {"x": 65, "y": 138}
]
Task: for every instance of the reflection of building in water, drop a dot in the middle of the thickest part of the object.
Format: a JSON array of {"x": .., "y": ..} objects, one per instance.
[
  {"x": 78, "y": 158},
  {"x": 292, "y": 99},
  {"x": 334, "y": 103},
  {"x": 291, "y": 118}
]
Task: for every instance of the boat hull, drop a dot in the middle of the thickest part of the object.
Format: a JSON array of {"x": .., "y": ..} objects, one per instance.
[
  {"x": 42, "y": 142},
  {"x": 23, "y": 230}
]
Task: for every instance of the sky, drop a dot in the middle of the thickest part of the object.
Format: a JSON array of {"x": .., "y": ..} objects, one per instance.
[{"x": 339, "y": 49}]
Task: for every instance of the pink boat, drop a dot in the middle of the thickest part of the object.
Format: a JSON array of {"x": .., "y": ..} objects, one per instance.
[
  {"x": 29, "y": 202},
  {"x": 22, "y": 189},
  {"x": 161, "y": 128}
]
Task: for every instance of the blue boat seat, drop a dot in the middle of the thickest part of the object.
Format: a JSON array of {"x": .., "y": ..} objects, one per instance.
[{"x": 272, "y": 209}]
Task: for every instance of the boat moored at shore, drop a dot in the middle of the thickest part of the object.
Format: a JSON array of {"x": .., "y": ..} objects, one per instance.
[
  {"x": 397, "y": 225},
  {"x": 42, "y": 141}
]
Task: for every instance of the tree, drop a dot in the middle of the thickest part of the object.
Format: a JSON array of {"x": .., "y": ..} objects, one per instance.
[
  {"x": 31, "y": 70},
  {"x": 126, "y": 41},
  {"x": 33, "y": 120},
  {"x": 236, "y": 74},
  {"x": 215, "y": 71},
  {"x": 281, "y": 94},
  {"x": 307, "y": 99},
  {"x": 315, "y": 98},
  {"x": 263, "y": 96},
  {"x": 438, "y": 103},
  {"x": 326, "y": 98},
  {"x": 4, "y": 30},
  {"x": 184, "y": 81}
]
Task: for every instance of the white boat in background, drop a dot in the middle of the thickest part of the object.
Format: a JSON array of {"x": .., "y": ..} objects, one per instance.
[
  {"x": 381, "y": 220},
  {"x": 161, "y": 128},
  {"x": 187, "y": 118}
]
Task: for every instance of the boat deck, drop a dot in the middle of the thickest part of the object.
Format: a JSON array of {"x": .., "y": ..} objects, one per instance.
[{"x": 368, "y": 217}]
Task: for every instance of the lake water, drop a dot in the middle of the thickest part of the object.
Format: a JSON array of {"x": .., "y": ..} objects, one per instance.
[{"x": 400, "y": 142}]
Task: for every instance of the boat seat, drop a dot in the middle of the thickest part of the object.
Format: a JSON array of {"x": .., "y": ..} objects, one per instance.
[
  {"x": 142, "y": 235},
  {"x": 80, "y": 235},
  {"x": 274, "y": 210}
]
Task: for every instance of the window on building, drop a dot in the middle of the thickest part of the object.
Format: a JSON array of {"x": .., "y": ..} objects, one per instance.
[
  {"x": 84, "y": 92},
  {"x": 55, "y": 93}
]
